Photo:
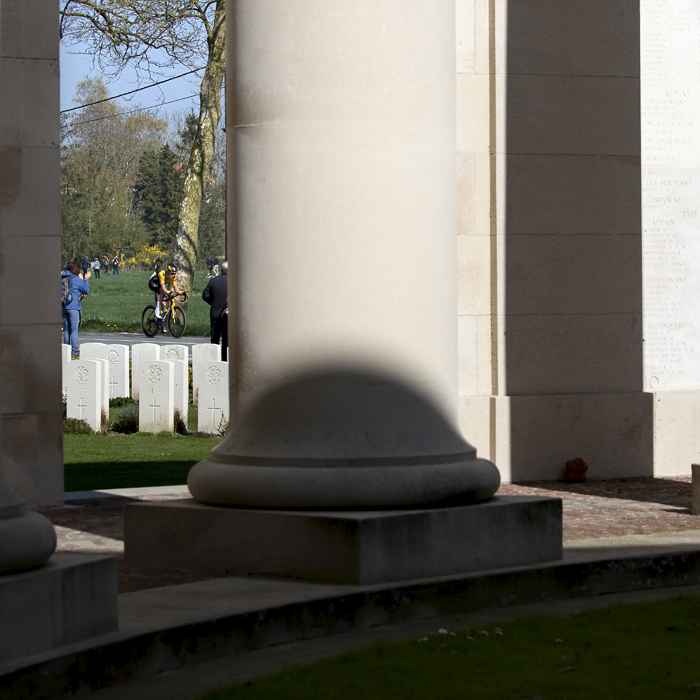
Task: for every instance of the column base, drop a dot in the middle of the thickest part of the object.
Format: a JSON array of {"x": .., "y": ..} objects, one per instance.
[
  {"x": 71, "y": 598},
  {"x": 354, "y": 547}
]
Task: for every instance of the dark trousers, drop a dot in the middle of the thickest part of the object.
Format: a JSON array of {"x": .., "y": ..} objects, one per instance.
[
  {"x": 97, "y": 272},
  {"x": 219, "y": 331}
]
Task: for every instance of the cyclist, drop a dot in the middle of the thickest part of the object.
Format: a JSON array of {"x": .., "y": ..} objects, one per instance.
[{"x": 167, "y": 279}]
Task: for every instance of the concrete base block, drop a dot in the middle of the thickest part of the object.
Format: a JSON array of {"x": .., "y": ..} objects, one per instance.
[
  {"x": 356, "y": 547},
  {"x": 71, "y": 598}
]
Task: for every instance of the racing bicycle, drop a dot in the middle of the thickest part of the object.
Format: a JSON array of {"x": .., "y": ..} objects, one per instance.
[{"x": 174, "y": 318}]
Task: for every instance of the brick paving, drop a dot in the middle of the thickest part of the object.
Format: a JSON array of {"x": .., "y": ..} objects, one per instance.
[
  {"x": 591, "y": 510},
  {"x": 616, "y": 507}
]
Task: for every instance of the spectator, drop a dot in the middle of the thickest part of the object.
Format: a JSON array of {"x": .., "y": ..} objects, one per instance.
[
  {"x": 96, "y": 268},
  {"x": 86, "y": 265},
  {"x": 216, "y": 295},
  {"x": 215, "y": 266},
  {"x": 115, "y": 265},
  {"x": 71, "y": 311},
  {"x": 210, "y": 264}
]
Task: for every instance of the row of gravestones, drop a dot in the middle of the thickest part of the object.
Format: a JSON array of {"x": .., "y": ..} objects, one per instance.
[{"x": 159, "y": 381}]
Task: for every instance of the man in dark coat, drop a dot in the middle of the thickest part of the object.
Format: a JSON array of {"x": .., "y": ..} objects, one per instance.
[{"x": 216, "y": 295}]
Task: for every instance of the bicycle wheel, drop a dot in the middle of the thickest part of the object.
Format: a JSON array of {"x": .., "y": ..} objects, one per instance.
[
  {"x": 149, "y": 322},
  {"x": 177, "y": 321}
]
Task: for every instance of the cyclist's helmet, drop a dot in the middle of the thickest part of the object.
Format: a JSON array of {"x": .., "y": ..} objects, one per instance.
[{"x": 172, "y": 268}]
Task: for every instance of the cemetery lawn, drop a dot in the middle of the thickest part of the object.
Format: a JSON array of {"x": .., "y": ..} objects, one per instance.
[
  {"x": 640, "y": 651},
  {"x": 130, "y": 461},
  {"x": 116, "y": 302}
]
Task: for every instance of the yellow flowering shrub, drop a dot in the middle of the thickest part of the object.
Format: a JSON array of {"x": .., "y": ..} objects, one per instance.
[{"x": 145, "y": 256}]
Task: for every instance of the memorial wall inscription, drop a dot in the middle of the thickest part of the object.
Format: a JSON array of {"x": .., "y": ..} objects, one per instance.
[{"x": 670, "y": 114}]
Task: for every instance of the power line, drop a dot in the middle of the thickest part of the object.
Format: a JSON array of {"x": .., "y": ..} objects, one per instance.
[
  {"x": 131, "y": 92},
  {"x": 139, "y": 109}
]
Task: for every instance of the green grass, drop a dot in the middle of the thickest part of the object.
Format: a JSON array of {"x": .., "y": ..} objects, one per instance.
[
  {"x": 130, "y": 461},
  {"x": 638, "y": 651},
  {"x": 116, "y": 302}
]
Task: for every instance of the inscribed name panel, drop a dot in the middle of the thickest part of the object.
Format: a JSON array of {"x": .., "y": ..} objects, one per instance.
[{"x": 670, "y": 113}]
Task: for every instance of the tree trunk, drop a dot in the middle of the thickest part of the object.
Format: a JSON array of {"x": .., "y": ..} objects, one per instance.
[{"x": 186, "y": 240}]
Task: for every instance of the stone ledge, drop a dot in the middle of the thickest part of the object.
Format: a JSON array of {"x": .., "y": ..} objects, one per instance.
[
  {"x": 355, "y": 547},
  {"x": 165, "y": 628}
]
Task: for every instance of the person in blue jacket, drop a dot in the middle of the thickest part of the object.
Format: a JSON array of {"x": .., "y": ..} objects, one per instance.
[{"x": 71, "y": 311}]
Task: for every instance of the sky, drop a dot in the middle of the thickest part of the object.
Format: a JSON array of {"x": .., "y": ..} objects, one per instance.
[{"x": 75, "y": 67}]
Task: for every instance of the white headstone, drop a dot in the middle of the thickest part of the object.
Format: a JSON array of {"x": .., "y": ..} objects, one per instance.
[
  {"x": 174, "y": 352},
  {"x": 202, "y": 353},
  {"x": 65, "y": 359},
  {"x": 84, "y": 380},
  {"x": 141, "y": 352},
  {"x": 181, "y": 387},
  {"x": 156, "y": 396},
  {"x": 213, "y": 397},
  {"x": 118, "y": 360},
  {"x": 93, "y": 351},
  {"x": 105, "y": 383}
]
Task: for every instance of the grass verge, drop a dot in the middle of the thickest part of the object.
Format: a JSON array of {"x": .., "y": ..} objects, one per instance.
[
  {"x": 640, "y": 651},
  {"x": 130, "y": 461},
  {"x": 116, "y": 302}
]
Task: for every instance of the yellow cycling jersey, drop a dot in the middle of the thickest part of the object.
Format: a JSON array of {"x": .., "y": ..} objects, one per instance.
[{"x": 168, "y": 283}]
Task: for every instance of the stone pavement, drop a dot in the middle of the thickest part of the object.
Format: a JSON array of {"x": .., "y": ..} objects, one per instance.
[{"x": 92, "y": 522}]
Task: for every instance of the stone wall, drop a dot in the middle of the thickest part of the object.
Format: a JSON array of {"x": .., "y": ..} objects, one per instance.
[
  {"x": 550, "y": 237},
  {"x": 671, "y": 226}
]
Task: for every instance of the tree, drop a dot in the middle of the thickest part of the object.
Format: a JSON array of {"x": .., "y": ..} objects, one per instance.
[
  {"x": 159, "y": 193},
  {"x": 152, "y": 34},
  {"x": 100, "y": 152},
  {"x": 212, "y": 214}
]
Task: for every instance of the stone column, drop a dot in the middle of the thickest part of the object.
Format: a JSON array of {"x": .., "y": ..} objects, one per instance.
[
  {"x": 550, "y": 237},
  {"x": 342, "y": 253},
  {"x": 30, "y": 240},
  {"x": 27, "y": 539}
]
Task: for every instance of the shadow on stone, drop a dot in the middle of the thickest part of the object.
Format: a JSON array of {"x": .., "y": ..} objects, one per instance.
[{"x": 343, "y": 439}]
